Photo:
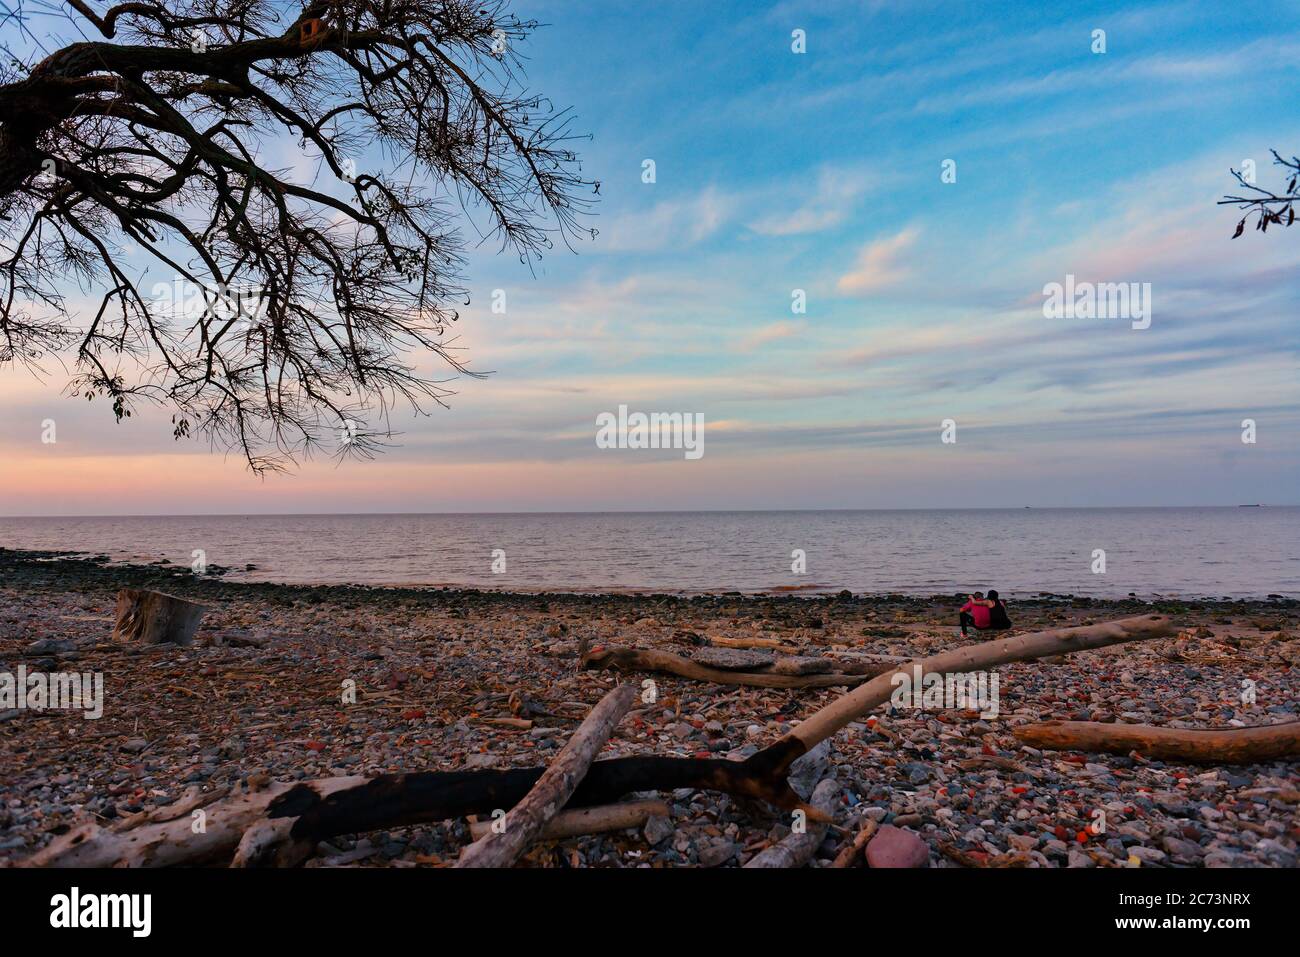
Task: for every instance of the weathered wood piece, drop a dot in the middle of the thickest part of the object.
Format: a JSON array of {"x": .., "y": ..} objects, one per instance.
[
  {"x": 796, "y": 849},
  {"x": 850, "y": 853},
  {"x": 525, "y": 821},
  {"x": 1191, "y": 746},
  {"x": 590, "y": 820},
  {"x": 638, "y": 659}
]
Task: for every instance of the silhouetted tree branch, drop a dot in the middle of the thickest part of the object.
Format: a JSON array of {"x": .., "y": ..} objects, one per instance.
[
  {"x": 151, "y": 142},
  {"x": 1266, "y": 206}
]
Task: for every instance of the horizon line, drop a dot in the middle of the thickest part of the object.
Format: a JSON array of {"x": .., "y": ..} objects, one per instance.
[{"x": 653, "y": 511}]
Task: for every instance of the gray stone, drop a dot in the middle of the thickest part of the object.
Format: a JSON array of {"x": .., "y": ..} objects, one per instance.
[
  {"x": 718, "y": 852},
  {"x": 799, "y": 665},
  {"x": 732, "y": 659},
  {"x": 50, "y": 646},
  {"x": 657, "y": 829},
  {"x": 1184, "y": 852},
  {"x": 1148, "y": 855},
  {"x": 809, "y": 769}
]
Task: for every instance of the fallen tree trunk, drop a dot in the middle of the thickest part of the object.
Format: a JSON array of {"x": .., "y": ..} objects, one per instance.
[
  {"x": 316, "y": 810},
  {"x": 312, "y": 811},
  {"x": 796, "y": 849},
  {"x": 1191, "y": 746},
  {"x": 637, "y": 659},
  {"x": 151, "y": 618},
  {"x": 525, "y": 820},
  {"x": 590, "y": 820}
]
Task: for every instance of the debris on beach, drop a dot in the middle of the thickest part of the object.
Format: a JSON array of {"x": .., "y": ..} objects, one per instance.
[{"x": 287, "y": 685}]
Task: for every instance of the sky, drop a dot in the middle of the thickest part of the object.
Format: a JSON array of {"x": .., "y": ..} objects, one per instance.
[{"x": 823, "y": 171}]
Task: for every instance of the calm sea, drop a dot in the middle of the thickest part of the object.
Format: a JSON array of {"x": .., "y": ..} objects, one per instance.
[{"x": 1198, "y": 552}]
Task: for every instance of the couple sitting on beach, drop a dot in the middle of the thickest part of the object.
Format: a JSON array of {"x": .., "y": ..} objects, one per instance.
[{"x": 984, "y": 614}]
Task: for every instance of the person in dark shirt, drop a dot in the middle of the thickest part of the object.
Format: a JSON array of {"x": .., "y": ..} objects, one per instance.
[{"x": 999, "y": 620}]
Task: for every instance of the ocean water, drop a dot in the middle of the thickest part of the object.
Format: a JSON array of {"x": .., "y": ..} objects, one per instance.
[{"x": 1190, "y": 552}]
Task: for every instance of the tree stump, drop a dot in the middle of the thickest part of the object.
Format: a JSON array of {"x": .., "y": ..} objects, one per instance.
[{"x": 150, "y": 617}]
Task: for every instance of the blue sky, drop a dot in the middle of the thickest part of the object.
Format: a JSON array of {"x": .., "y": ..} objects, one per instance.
[{"x": 820, "y": 171}]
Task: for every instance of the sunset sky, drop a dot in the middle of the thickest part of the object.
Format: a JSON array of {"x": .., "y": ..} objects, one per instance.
[{"x": 820, "y": 171}]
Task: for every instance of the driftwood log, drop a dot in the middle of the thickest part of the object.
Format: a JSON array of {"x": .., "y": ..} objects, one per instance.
[
  {"x": 590, "y": 820},
  {"x": 150, "y": 617},
  {"x": 639, "y": 659},
  {"x": 796, "y": 849},
  {"x": 524, "y": 822},
  {"x": 1184, "y": 745},
  {"x": 777, "y": 758},
  {"x": 311, "y": 811}
]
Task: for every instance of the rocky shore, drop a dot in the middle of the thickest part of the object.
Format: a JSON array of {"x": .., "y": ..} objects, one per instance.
[{"x": 450, "y": 679}]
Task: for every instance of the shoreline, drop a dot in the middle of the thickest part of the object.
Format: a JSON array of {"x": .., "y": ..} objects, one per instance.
[
  {"x": 470, "y": 678},
  {"x": 76, "y": 566}
]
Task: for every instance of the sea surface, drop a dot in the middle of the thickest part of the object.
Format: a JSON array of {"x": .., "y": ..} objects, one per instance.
[{"x": 1188, "y": 552}]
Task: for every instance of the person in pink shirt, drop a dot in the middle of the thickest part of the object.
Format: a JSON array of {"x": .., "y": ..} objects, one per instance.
[{"x": 975, "y": 613}]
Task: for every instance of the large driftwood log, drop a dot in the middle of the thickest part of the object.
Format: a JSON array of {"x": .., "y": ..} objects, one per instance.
[
  {"x": 331, "y": 806},
  {"x": 796, "y": 849},
  {"x": 1209, "y": 746},
  {"x": 150, "y": 617},
  {"x": 308, "y": 812},
  {"x": 776, "y": 759},
  {"x": 638, "y": 659},
  {"x": 590, "y": 820},
  {"x": 525, "y": 820}
]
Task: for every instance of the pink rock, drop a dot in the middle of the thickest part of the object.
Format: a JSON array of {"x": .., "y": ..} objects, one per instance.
[{"x": 895, "y": 847}]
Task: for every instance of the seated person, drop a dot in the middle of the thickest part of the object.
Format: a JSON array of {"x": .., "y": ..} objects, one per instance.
[
  {"x": 999, "y": 620},
  {"x": 975, "y": 613}
]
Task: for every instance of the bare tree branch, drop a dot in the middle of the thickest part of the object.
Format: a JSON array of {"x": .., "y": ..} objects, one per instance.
[
  {"x": 293, "y": 311},
  {"x": 1267, "y": 207}
]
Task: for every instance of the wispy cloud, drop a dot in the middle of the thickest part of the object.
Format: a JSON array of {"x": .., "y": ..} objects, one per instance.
[
  {"x": 831, "y": 203},
  {"x": 772, "y": 332},
  {"x": 667, "y": 224},
  {"x": 880, "y": 264}
]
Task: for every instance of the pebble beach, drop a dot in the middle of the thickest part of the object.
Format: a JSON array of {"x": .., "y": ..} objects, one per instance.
[{"x": 448, "y": 679}]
